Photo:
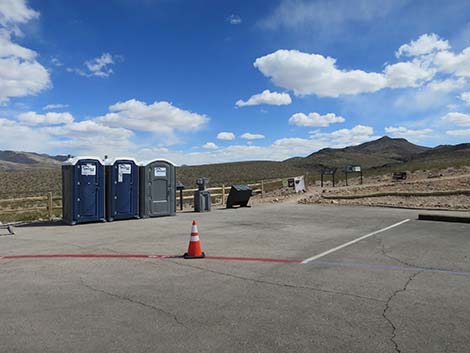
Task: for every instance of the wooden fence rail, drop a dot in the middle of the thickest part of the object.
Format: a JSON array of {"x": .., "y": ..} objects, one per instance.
[{"x": 45, "y": 204}]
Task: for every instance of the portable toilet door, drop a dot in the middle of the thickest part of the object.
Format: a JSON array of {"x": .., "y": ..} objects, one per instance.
[
  {"x": 122, "y": 189},
  {"x": 157, "y": 188},
  {"x": 83, "y": 190}
]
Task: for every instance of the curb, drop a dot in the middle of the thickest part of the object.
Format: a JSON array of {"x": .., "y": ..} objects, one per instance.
[{"x": 443, "y": 218}]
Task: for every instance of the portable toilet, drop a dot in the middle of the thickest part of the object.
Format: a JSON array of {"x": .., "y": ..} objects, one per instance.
[
  {"x": 83, "y": 190},
  {"x": 122, "y": 188},
  {"x": 157, "y": 188}
]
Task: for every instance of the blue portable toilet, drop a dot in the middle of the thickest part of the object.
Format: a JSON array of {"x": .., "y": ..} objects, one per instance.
[
  {"x": 122, "y": 188},
  {"x": 83, "y": 190}
]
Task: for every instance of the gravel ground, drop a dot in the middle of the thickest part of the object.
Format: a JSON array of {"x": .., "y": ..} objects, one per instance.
[{"x": 421, "y": 181}]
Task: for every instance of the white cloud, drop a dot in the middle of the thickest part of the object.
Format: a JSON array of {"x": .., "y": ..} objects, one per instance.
[
  {"x": 19, "y": 137},
  {"x": 401, "y": 131},
  {"x": 315, "y": 119},
  {"x": 325, "y": 15},
  {"x": 448, "y": 85},
  {"x": 20, "y": 73},
  {"x": 465, "y": 96},
  {"x": 98, "y": 67},
  {"x": 425, "y": 44},
  {"x": 226, "y": 136},
  {"x": 345, "y": 137},
  {"x": 407, "y": 74},
  {"x": 54, "y": 106},
  {"x": 460, "y": 119},
  {"x": 457, "y": 64},
  {"x": 50, "y": 118},
  {"x": 13, "y": 12},
  {"x": 56, "y": 62},
  {"x": 266, "y": 97},
  {"x": 210, "y": 146},
  {"x": 315, "y": 74},
  {"x": 234, "y": 19},
  {"x": 159, "y": 117},
  {"x": 459, "y": 133},
  {"x": 250, "y": 136}
]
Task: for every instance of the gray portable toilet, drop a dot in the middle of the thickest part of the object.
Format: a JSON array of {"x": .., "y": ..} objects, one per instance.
[
  {"x": 83, "y": 190},
  {"x": 157, "y": 188}
]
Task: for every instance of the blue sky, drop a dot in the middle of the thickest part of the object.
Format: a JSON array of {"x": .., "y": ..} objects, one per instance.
[{"x": 215, "y": 81}]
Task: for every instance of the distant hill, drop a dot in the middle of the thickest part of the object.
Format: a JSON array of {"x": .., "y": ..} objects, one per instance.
[
  {"x": 379, "y": 156},
  {"x": 376, "y": 153},
  {"x": 13, "y": 161}
]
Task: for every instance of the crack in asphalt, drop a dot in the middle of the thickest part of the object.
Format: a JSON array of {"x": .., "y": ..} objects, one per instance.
[
  {"x": 285, "y": 285},
  {"x": 387, "y": 309},
  {"x": 134, "y": 301}
]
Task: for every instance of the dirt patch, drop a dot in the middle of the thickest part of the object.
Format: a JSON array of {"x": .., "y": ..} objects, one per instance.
[{"x": 450, "y": 179}]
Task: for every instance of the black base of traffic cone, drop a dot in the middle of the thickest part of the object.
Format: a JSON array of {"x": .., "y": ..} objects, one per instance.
[{"x": 186, "y": 256}]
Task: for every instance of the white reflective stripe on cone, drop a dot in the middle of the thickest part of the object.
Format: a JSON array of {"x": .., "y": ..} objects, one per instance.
[
  {"x": 194, "y": 229},
  {"x": 195, "y": 238}
]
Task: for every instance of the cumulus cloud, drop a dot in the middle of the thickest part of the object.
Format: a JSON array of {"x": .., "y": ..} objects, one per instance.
[
  {"x": 250, "y": 136},
  {"x": 20, "y": 73},
  {"x": 407, "y": 74},
  {"x": 306, "y": 73},
  {"x": 315, "y": 119},
  {"x": 457, "y": 64},
  {"x": 266, "y": 97},
  {"x": 234, "y": 19},
  {"x": 345, "y": 137},
  {"x": 14, "y": 12},
  {"x": 54, "y": 106},
  {"x": 97, "y": 67},
  {"x": 159, "y": 117},
  {"x": 448, "y": 85},
  {"x": 50, "y": 118},
  {"x": 425, "y": 44},
  {"x": 460, "y": 119},
  {"x": 226, "y": 136},
  {"x": 210, "y": 146},
  {"x": 310, "y": 73},
  {"x": 465, "y": 96},
  {"x": 19, "y": 137},
  {"x": 401, "y": 131}
]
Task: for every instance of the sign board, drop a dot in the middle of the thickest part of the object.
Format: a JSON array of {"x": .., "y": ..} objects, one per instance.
[
  {"x": 88, "y": 169},
  {"x": 356, "y": 168},
  {"x": 123, "y": 169},
  {"x": 159, "y": 172}
]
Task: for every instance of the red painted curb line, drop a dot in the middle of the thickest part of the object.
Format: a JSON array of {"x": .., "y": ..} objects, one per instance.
[{"x": 141, "y": 256}]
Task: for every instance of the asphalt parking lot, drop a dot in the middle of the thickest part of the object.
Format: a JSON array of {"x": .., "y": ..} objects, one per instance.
[{"x": 354, "y": 280}]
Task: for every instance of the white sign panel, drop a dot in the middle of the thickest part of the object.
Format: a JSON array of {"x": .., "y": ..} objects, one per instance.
[
  {"x": 160, "y": 172},
  {"x": 123, "y": 169},
  {"x": 88, "y": 169},
  {"x": 356, "y": 169}
]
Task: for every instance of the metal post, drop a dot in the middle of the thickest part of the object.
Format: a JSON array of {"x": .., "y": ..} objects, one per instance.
[
  {"x": 223, "y": 194},
  {"x": 361, "y": 176},
  {"x": 334, "y": 179},
  {"x": 49, "y": 205},
  {"x": 321, "y": 179},
  {"x": 181, "y": 199}
]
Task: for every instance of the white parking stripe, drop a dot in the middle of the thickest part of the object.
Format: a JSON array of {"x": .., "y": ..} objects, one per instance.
[{"x": 316, "y": 257}]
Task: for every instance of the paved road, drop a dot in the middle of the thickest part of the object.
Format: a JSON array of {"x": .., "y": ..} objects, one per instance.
[{"x": 402, "y": 290}]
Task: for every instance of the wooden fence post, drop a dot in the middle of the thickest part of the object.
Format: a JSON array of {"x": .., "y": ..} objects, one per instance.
[
  {"x": 262, "y": 188},
  {"x": 49, "y": 205},
  {"x": 223, "y": 194}
]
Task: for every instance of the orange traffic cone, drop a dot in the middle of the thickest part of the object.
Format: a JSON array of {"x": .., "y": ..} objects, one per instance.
[{"x": 194, "y": 249}]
